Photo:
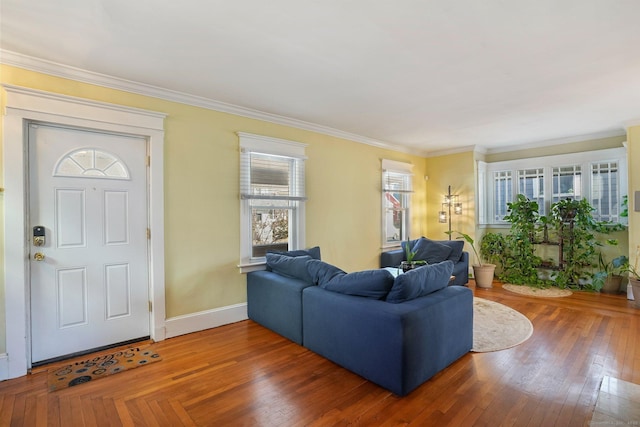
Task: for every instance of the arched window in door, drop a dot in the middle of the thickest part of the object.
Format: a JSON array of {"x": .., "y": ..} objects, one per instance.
[{"x": 91, "y": 163}]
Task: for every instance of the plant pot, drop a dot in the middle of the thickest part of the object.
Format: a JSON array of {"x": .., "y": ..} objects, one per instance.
[
  {"x": 483, "y": 274},
  {"x": 635, "y": 286},
  {"x": 612, "y": 284},
  {"x": 406, "y": 266}
]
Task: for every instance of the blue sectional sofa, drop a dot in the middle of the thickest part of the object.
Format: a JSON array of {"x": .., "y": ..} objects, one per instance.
[
  {"x": 394, "y": 331},
  {"x": 433, "y": 251}
]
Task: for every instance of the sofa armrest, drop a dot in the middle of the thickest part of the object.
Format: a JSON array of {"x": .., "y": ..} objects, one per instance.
[
  {"x": 391, "y": 258},
  {"x": 397, "y": 346},
  {"x": 461, "y": 270},
  {"x": 275, "y": 302}
]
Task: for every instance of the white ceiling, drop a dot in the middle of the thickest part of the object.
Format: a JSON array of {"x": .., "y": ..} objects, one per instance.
[{"x": 425, "y": 74}]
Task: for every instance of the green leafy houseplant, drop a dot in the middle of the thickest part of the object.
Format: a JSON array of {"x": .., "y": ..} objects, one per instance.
[
  {"x": 493, "y": 247},
  {"x": 608, "y": 277},
  {"x": 520, "y": 261},
  {"x": 482, "y": 272},
  {"x": 410, "y": 263},
  {"x": 578, "y": 230},
  {"x": 470, "y": 241},
  {"x": 634, "y": 277}
]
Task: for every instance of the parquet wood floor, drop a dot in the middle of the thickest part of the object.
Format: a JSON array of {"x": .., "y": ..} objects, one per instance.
[{"x": 245, "y": 375}]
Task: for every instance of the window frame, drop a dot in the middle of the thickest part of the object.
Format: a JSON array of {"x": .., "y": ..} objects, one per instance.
[
  {"x": 264, "y": 145},
  {"x": 406, "y": 171},
  {"x": 486, "y": 170}
]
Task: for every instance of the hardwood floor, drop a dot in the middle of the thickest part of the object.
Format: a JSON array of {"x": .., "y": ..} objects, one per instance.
[{"x": 243, "y": 374}]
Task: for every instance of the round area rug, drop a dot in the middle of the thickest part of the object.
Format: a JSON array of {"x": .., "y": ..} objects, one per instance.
[
  {"x": 537, "y": 292},
  {"x": 497, "y": 327}
]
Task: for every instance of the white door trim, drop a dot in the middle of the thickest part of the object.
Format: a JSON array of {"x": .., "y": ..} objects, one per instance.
[{"x": 23, "y": 104}]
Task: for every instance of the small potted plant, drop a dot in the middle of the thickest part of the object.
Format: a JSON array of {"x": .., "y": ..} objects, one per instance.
[
  {"x": 634, "y": 278},
  {"x": 609, "y": 277},
  {"x": 482, "y": 272},
  {"x": 410, "y": 263}
]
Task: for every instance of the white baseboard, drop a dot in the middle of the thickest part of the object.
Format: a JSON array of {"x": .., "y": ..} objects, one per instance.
[
  {"x": 4, "y": 367},
  {"x": 202, "y": 320}
]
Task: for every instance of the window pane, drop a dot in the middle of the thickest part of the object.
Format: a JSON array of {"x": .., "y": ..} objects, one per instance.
[
  {"x": 395, "y": 218},
  {"x": 270, "y": 230},
  {"x": 270, "y": 175},
  {"x": 604, "y": 191},
  {"x": 567, "y": 182},
  {"x": 502, "y": 190},
  {"x": 396, "y": 193},
  {"x": 531, "y": 184}
]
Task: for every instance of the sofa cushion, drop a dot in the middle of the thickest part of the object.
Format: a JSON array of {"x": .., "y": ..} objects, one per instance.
[
  {"x": 289, "y": 266},
  {"x": 322, "y": 272},
  {"x": 431, "y": 251},
  {"x": 312, "y": 252},
  {"x": 369, "y": 283},
  {"x": 420, "y": 282},
  {"x": 457, "y": 246}
]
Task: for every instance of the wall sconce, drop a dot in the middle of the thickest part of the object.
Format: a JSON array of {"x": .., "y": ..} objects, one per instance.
[{"x": 450, "y": 201}]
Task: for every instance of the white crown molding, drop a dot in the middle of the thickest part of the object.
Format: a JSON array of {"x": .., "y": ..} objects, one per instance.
[
  {"x": 631, "y": 123},
  {"x": 456, "y": 150},
  {"x": 558, "y": 141},
  {"x": 90, "y": 77}
]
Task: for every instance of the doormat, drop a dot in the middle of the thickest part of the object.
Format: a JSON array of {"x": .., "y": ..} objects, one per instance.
[
  {"x": 98, "y": 367},
  {"x": 537, "y": 292}
]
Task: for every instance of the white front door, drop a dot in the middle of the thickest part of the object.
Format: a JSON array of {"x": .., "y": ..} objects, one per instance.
[{"x": 90, "y": 277}]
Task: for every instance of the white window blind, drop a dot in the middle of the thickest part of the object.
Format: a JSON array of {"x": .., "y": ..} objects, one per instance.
[
  {"x": 396, "y": 201},
  {"x": 272, "y": 197}
]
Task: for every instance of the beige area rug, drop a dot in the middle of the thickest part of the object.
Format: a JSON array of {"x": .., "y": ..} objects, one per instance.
[
  {"x": 537, "y": 292},
  {"x": 498, "y": 327}
]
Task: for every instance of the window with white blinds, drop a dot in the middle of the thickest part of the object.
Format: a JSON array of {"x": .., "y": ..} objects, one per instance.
[
  {"x": 396, "y": 201},
  {"x": 272, "y": 196},
  {"x": 600, "y": 175}
]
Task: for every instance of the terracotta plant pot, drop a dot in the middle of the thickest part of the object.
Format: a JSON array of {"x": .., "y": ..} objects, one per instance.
[
  {"x": 483, "y": 274},
  {"x": 635, "y": 286}
]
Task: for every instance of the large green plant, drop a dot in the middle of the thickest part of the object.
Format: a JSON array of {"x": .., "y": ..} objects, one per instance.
[
  {"x": 471, "y": 243},
  {"x": 520, "y": 260},
  {"x": 580, "y": 232},
  {"x": 493, "y": 248}
]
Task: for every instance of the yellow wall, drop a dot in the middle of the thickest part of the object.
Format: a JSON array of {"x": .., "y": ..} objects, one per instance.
[
  {"x": 633, "y": 150},
  {"x": 458, "y": 171},
  {"x": 201, "y": 195}
]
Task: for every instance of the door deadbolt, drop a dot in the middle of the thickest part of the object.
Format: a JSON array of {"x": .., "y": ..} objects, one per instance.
[
  {"x": 38, "y": 256},
  {"x": 39, "y": 235}
]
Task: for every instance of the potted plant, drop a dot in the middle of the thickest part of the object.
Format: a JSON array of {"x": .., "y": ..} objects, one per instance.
[
  {"x": 410, "y": 263},
  {"x": 482, "y": 272},
  {"x": 520, "y": 261},
  {"x": 634, "y": 278},
  {"x": 493, "y": 249},
  {"x": 608, "y": 278}
]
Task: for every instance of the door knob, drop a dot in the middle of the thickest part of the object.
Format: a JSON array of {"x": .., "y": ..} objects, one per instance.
[{"x": 38, "y": 256}]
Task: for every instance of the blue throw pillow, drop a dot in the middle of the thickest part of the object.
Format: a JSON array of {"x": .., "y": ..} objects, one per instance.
[
  {"x": 420, "y": 282},
  {"x": 369, "y": 283},
  {"x": 294, "y": 267},
  {"x": 312, "y": 252},
  {"x": 431, "y": 251},
  {"x": 457, "y": 246},
  {"x": 322, "y": 272}
]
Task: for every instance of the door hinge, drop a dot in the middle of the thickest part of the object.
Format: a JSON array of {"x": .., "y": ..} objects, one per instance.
[
  {"x": 150, "y": 306},
  {"x": 149, "y": 233},
  {"x": 148, "y": 161}
]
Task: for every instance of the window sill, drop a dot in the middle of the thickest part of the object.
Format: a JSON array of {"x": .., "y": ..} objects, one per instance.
[{"x": 248, "y": 268}]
